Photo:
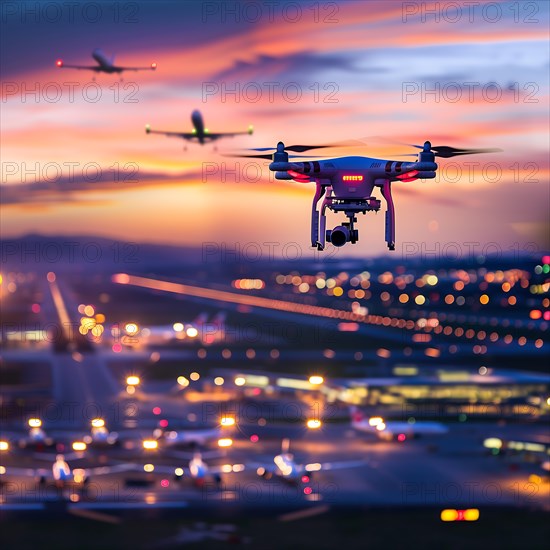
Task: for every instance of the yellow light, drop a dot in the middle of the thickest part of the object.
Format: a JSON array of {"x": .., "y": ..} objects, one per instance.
[
  {"x": 381, "y": 427},
  {"x": 79, "y": 446},
  {"x": 471, "y": 514},
  {"x": 313, "y": 424},
  {"x": 534, "y": 478},
  {"x": 218, "y": 381},
  {"x": 449, "y": 515},
  {"x": 225, "y": 442},
  {"x": 149, "y": 467},
  {"x": 240, "y": 381},
  {"x": 484, "y": 299},
  {"x": 227, "y": 421},
  {"x": 194, "y": 376},
  {"x": 182, "y": 381},
  {"x": 492, "y": 443},
  {"x": 79, "y": 475},
  {"x": 133, "y": 380},
  {"x": 130, "y": 390},
  {"x": 89, "y": 311},
  {"x": 131, "y": 328},
  {"x": 2, "y": 470},
  {"x": 316, "y": 380},
  {"x": 375, "y": 420},
  {"x": 98, "y": 422},
  {"x": 100, "y": 318},
  {"x": 35, "y": 422},
  {"x": 178, "y": 327},
  {"x": 419, "y": 300},
  {"x": 431, "y": 280},
  {"x": 192, "y": 332},
  {"x": 4, "y": 446},
  {"x": 150, "y": 444},
  {"x": 338, "y": 291},
  {"x": 178, "y": 472}
]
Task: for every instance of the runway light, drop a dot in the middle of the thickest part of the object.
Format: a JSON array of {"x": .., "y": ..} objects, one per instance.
[
  {"x": 381, "y": 427},
  {"x": 148, "y": 467},
  {"x": 375, "y": 420},
  {"x": 194, "y": 376},
  {"x": 150, "y": 444},
  {"x": 178, "y": 327},
  {"x": 316, "y": 380},
  {"x": 470, "y": 514},
  {"x": 225, "y": 442},
  {"x": 313, "y": 423},
  {"x": 227, "y": 421},
  {"x": 240, "y": 381},
  {"x": 492, "y": 443},
  {"x": 4, "y": 446},
  {"x": 133, "y": 380},
  {"x": 218, "y": 381},
  {"x": 178, "y": 472},
  {"x": 79, "y": 446},
  {"x": 131, "y": 329},
  {"x": 98, "y": 422},
  {"x": 192, "y": 332},
  {"x": 35, "y": 422}
]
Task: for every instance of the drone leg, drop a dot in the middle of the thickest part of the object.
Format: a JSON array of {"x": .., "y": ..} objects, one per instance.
[
  {"x": 323, "y": 234},
  {"x": 390, "y": 215},
  {"x": 315, "y": 240}
]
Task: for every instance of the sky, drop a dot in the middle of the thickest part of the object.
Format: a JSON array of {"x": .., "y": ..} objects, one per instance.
[{"x": 76, "y": 159}]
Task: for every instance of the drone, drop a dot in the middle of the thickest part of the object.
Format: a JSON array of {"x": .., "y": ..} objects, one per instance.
[{"x": 346, "y": 185}]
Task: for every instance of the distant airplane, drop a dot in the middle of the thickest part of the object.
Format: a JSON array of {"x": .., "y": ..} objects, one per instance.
[
  {"x": 389, "y": 429},
  {"x": 286, "y": 469},
  {"x": 199, "y": 132},
  {"x": 173, "y": 438},
  {"x": 104, "y": 65},
  {"x": 62, "y": 475},
  {"x": 199, "y": 471}
]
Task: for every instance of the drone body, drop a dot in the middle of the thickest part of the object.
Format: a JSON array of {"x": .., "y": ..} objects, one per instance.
[{"x": 347, "y": 185}]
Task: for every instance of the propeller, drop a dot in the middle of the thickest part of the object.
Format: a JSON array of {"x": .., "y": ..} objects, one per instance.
[
  {"x": 446, "y": 151},
  {"x": 270, "y": 156}
]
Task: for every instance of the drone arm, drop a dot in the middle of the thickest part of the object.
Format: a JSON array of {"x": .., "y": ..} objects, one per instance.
[
  {"x": 390, "y": 215},
  {"x": 326, "y": 203}
]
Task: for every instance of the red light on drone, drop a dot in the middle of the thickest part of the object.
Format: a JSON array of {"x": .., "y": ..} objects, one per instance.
[
  {"x": 353, "y": 177},
  {"x": 298, "y": 176},
  {"x": 59, "y": 63},
  {"x": 408, "y": 176}
]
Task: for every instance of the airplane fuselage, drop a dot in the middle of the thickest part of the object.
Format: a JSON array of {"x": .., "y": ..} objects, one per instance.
[{"x": 198, "y": 125}]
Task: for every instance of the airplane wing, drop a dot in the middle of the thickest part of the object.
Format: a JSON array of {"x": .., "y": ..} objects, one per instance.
[
  {"x": 81, "y": 67},
  {"x": 182, "y": 135},
  {"x": 152, "y": 67},
  {"x": 209, "y": 136}
]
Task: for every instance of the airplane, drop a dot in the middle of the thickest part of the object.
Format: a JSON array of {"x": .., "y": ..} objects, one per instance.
[
  {"x": 62, "y": 475},
  {"x": 390, "y": 429},
  {"x": 286, "y": 469},
  {"x": 199, "y": 471},
  {"x": 36, "y": 438},
  {"x": 347, "y": 184},
  {"x": 199, "y": 132},
  {"x": 104, "y": 65},
  {"x": 199, "y": 437}
]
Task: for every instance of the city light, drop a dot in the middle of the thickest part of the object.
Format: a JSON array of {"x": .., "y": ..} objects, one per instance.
[
  {"x": 150, "y": 444},
  {"x": 313, "y": 424},
  {"x": 133, "y": 380},
  {"x": 316, "y": 380},
  {"x": 79, "y": 446},
  {"x": 225, "y": 442}
]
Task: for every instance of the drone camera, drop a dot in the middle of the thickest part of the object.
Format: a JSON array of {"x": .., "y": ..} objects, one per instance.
[{"x": 341, "y": 235}]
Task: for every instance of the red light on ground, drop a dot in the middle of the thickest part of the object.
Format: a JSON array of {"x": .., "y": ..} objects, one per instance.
[
  {"x": 254, "y": 438},
  {"x": 59, "y": 63},
  {"x": 157, "y": 410},
  {"x": 305, "y": 479},
  {"x": 35, "y": 308},
  {"x": 308, "y": 490},
  {"x": 163, "y": 423},
  {"x": 117, "y": 348},
  {"x": 546, "y": 259},
  {"x": 165, "y": 483},
  {"x": 401, "y": 437}
]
